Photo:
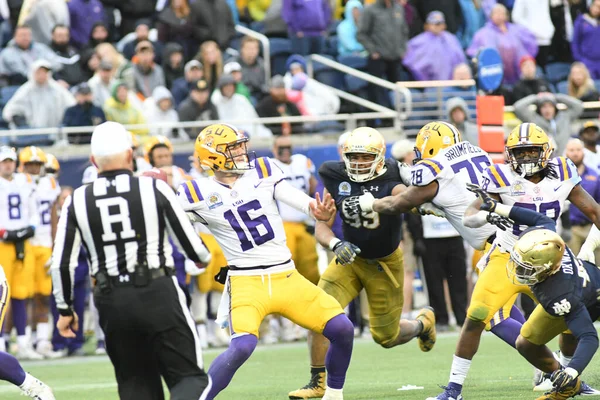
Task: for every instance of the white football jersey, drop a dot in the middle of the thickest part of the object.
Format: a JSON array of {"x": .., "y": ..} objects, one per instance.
[
  {"x": 297, "y": 173},
  {"x": 243, "y": 218},
  {"x": 18, "y": 203},
  {"x": 48, "y": 191},
  {"x": 454, "y": 167},
  {"x": 546, "y": 197}
]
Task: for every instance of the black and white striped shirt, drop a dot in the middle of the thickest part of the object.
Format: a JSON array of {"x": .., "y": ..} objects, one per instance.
[{"x": 121, "y": 220}]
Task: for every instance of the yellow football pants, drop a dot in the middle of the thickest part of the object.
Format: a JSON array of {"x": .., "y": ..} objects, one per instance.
[
  {"x": 286, "y": 293},
  {"x": 206, "y": 281},
  {"x": 19, "y": 273},
  {"x": 42, "y": 279},
  {"x": 303, "y": 247},
  {"x": 4, "y": 299}
]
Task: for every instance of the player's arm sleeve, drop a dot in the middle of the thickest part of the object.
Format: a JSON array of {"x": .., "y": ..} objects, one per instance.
[
  {"x": 293, "y": 197},
  {"x": 179, "y": 226},
  {"x": 581, "y": 325},
  {"x": 523, "y": 216},
  {"x": 64, "y": 257},
  {"x": 185, "y": 195}
]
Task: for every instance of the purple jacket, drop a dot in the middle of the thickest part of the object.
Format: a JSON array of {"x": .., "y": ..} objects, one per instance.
[
  {"x": 585, "y": 44},
  {"x": 591, "y": 184},
  {"x": 512, "y": 45},
  {"x": 307, "y": 16},
  {"x": 422, "y": 56},
  {"x": 84, "y": 14}
]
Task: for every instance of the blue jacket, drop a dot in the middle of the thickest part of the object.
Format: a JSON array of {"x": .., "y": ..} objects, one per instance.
[
  {"x": 79, "y": 115},
  {"x": 180, "y": 90},
  {"x": 346, "y": 31},
  {"x": 473, "y": 20}
]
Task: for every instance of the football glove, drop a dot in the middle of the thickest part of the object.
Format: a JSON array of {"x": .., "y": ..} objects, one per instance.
[
  {"x": 563, "y": 378},
  {"x": 501, "y": 223},
  {"x": 405, "y": 174},
  {"x": 356, "y": 205},
  {"x": 345, "y": 252},
  {"x": 192, "y": 269},
  {"x": 587, "y": 254},
  {"x": 430, "y": 209},
  {"x": 489, "y": 204}
]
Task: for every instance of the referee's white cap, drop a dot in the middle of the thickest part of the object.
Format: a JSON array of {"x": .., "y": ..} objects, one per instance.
[
  {"x": 7, "y": 153},
  {"x": 110, "y": 138}
]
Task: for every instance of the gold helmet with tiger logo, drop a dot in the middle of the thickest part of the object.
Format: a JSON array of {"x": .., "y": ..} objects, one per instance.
[
  {"x": 215, "y": 146},
  {"x": 433, "y": 137},
  {"x": 528, "y": 149}
]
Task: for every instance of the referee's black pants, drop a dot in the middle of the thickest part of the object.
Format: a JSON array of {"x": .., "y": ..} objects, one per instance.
[
  {"x": 445, "y": 258},
  {"x": 150, "y": 333}
]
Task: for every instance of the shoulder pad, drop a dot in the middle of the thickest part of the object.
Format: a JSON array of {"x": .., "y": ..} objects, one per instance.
[
  {"x": 332, "y": 169},
  {"x": 426, "y": 171},
  {"x": 266, "y": 168},
  {"x": 496, "y": 177},
  {"x": 310, "y": 166},
  {"x": 565, "y": 168},
  {"x": 189, "y": 193}
]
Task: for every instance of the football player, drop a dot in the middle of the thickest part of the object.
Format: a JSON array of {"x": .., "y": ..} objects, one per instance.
[
  {"x": 158, "y": 152},
  {"x": 566, "y": 288},
  {"x": 529, "y": 179},
  {"x": 10, "y": 369},
  {"x": 369, "y": 257},
  {"x": 18, "y": 220},
  {"x": 52, "y": 166},
  {"x": 239, "y": 206},
  {"x": 32, "y": 160}
]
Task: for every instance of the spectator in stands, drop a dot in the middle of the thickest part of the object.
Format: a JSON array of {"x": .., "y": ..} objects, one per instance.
[
  {"x": 581, "y": 85},
  {"x": 159, "y": 109},
  {"x": 457, "y": 113},
  {"x": 468, "y": 93},
  {"x": 473, "y": 19},
  {"x": 535, "y": 16},
  {"x": 175, "y": 25},
  {"x": 422, "y": 54},
  {"x": 383, "y": 32},
  {"x": 42, "y": 16},
  {"x": 101, "y": 83},
  {"x": 557, "y": 124},
  {"x": 307, "y": 24},
  {"x": 122, "y": 68},
  {"x": 83, "y": 15},
  {"x": 590, "y": 182},
  {"x": 40, "y": 102},
  {"x": 142, "y": 34},
  {"x": 412, "y": 18},
  {"x": 134, "y": 11},
  {"x": 98, "y": 35},
  {"x": 450, "y": 8},
  {"x": 256, "y": 9},
  {"x": 529, "y": 83},
  {"x": 512, "y": 41},
  {"x": 70, "y": 72},
  {"x": 590, "y": 135},
  {"x": 173, "y": 63},
  {"x": 84, "y": 113},
  {"x": 192, "y": 72},
  {"x": 211, "y": 58},
  {"x": 148, "y": 74},
  {"x": 197, "y": 106},
  {"x": 232, "y": 106},
  {"x": 89, "y": 63},
  {"x": 277, "y": 105},
  {"x": 295, "y": 94},
  {"x": 119, "y": 108},
  {"x": 212, "y": 20},
  {"x": 234, "y": 69},
  {"x": 17, "y": 58},
  {"x": 275, "y": 26},
  {"x": 320, "y": 99},
  {"x": 560, "y": 48},
  {"x": 253, "y": 68},
  {"x": 346, "y": 30}
]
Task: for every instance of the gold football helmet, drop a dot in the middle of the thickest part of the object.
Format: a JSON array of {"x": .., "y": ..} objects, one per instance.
[
  {"x": 214, "y": 147},
  {"x": 154, "y": 141},
  {"x": 433, "y": 137},
  {"x": 32, "y": 154},
  {"x": 528, "y": 149},
  {"x": 364, "y": 140},
  {"x": 537, "y": 254},
  {"x": 52, "y": 165}
]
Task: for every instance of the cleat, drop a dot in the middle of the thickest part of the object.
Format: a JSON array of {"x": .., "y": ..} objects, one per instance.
[
  {"x": 587, "y": 390},
  {"x": 449, "y": 394},
  {"x": 28, "y": 353},
  {"x": 565, "y": 393},
  {"x": 541, "y": 381},
  {"x": 36, "y": 389},
  {"x": 101, "y": 348},
  {"x": 45, "y": 349},
  {"x": 428, "y": 335},
  {"x": 314, "y": 390}
]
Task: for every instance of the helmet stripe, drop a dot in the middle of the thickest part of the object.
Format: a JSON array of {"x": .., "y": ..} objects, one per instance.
[
  {"x": 455, "y": 131},
  {"x": 524, "y": 132}
]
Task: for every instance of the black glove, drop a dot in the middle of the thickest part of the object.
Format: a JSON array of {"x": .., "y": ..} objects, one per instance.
[
  {"x": 419, "y": 248},
  {"x": 19, "y": 235},
  {"x": 489, "y": 204},
  {"x": 221, "y": 277},
  {"x": 562, "y": 379},
  {"x": 345, "y": 252},
  {"x": 501, "y": 222},
  {"x": 351, "y": 206}
]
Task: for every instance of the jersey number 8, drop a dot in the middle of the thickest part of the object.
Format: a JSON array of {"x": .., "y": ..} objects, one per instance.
[{"x": 368, "y": 220}]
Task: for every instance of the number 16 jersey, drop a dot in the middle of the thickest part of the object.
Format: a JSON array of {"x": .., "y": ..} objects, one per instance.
[{"x": 243, "y": 218}]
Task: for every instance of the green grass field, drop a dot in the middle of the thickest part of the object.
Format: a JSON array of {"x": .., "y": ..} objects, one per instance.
[{"x": 498, "y": 372}]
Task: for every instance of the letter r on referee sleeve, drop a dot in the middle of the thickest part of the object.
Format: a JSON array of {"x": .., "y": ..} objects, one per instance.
[
  {"x": 180, "y": 228},
  {"x": 64, "y": 255}
]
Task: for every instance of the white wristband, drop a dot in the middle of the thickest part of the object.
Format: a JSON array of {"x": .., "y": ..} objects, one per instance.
[
  {"x": 572, "y": 372},
  {"x": 593, "y": 240},
  {"x": 333, "y": 242},
  {"x": 502, "y": 210}
]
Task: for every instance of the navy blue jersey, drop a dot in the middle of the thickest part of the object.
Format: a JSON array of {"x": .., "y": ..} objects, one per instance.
[{"x": 377, "y": 236}]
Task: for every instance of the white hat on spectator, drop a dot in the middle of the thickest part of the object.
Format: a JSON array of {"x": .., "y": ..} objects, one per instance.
[
  {"x": 192, "y": 64},
  {"x": 230, "y": 67},
  {"x": 7, "y": 153},
  {"x": 110, "y": 138},
  {"x": 342, "y": 138}
]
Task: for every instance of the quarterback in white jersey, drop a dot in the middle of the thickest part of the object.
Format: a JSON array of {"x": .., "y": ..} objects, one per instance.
[
  {"x": 299, "y": 171},
  {"x": 239, "y": 206},
  {"x": 444, "y": 165}
]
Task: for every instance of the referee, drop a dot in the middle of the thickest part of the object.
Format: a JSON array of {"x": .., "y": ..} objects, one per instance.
[{"x": 124, "y": 223}]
